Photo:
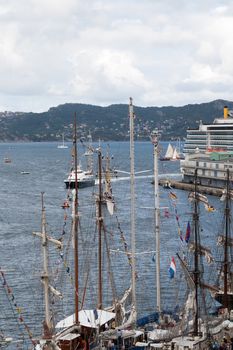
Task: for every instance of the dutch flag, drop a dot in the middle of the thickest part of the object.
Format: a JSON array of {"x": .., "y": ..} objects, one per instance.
[{"x": 172, "y": 268}]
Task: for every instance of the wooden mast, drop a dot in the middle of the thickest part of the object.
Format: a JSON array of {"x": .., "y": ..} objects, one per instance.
[
  {"x": 100, "y": 221},
  {"x": 226, "y": 255},
  {"x": 196, "y": 271},
  {"x": 132, "y": 211},
  {"x": 45, "y": 240},
  {"x": 75, "y": 223},
  {"x": 45, "y": 274},
  {"x": 154, "y": 139}
]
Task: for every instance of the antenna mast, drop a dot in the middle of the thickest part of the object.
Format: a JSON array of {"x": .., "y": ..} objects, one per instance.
[{"x": 132, "y": 212}]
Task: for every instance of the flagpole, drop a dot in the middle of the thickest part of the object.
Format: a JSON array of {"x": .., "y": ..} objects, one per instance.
[{"x": 154, "y": 140}]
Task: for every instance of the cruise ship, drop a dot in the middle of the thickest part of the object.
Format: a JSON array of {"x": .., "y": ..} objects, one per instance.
[{"x": 209, "y": 149}]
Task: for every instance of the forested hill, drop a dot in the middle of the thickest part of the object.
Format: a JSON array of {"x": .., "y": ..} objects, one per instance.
[{"x": 107, "y": 123}]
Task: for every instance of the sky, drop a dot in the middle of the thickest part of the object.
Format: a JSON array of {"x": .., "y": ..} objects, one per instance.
[{"x": 168, "y": 52}]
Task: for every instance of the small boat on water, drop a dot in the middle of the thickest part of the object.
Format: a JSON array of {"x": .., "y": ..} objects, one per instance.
[
  {"x": 7, "y": 160},
  {"x": 62, "y": 145},
  {"x": 84, "y": 178}
]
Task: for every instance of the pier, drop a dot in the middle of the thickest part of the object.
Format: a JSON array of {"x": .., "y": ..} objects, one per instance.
[{"x": 190, "y": 187}]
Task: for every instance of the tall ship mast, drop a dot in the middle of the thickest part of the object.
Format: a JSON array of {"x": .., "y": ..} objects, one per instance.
[
  {"x": 154, "y": 139},
  {"x": 132, "y": 208},
  {"x": 210, "y": 149},
  {"x": 225, "y": 294}
]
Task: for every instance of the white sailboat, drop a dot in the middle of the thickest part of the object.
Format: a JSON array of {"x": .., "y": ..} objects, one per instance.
[
  {"x": 62, "y": 145},
  {"x": 175, "y": 155},
  {"x": 171, "y": 153}
]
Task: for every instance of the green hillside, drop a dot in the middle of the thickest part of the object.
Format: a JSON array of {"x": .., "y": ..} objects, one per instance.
[{"x": 106, "y": 123}]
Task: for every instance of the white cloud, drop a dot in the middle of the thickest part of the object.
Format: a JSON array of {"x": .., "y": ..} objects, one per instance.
[{"x": 98, "y": 51}]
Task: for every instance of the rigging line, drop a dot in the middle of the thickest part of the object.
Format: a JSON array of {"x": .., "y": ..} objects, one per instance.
[
  {"x": 124, "y": 242},
  {"x": 87, "y": 265},
  {"x": 111, "y": 277},
  {"x": 29, "y": 288},
  {"x": 85, "y": 288},
  {"x": 13, "y": 310},
  {"x": 203, "y": 295},
  {"x": 88, "y": 247},
  {"x": 92, "y": 291}
]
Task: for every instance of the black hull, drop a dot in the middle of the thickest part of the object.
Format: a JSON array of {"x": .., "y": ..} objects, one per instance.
[
  {"x": 81, "y": 184},
  {"x": 220, "y": 298}
]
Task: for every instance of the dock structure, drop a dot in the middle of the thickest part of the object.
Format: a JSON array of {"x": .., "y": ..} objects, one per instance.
[{"x": 190, "y": 187}]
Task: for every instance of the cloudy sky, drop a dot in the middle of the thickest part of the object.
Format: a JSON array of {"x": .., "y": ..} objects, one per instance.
[{"x": 160, "y": 52}]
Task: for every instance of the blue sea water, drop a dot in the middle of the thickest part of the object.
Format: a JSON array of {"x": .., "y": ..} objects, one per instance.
[{"x": 21, "y": 293}]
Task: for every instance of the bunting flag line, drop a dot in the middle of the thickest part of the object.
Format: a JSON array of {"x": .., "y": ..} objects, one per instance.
[
  {"x": 172, "y": 268},
  {"x": 188, "y": 233},
  {"x": 122, "y": 238},
  {"x": 172, "y": 195},
  {"x": 19, "y": 310},
  {"x": 174, "y": 198},
  {"x": 178, "y": 224},
  {"x": 209, "y": 208}
]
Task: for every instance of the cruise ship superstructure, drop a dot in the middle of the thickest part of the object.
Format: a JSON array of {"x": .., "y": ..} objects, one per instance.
[{"x": 209, "y": 149}]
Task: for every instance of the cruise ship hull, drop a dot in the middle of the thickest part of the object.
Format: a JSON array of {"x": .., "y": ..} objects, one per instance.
[{"x": 209, "y": 150}]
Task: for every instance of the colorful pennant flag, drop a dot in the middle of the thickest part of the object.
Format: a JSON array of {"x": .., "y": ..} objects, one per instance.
[{"x": 188, "y": 233}]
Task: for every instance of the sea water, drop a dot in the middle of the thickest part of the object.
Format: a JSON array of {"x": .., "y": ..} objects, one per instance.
[{"x": 46, "y": 167}]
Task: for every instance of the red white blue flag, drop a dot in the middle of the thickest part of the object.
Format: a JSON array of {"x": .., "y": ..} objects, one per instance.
[{"x": 172, "y": 268}]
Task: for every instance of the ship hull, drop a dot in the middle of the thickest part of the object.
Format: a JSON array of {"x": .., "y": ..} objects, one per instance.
[{"x": 81, "y": 184}]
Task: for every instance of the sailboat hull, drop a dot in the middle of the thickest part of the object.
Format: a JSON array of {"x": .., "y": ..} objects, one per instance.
[
  {"x": 81, "y": 184},
  {"x": 163, "y": 159}
]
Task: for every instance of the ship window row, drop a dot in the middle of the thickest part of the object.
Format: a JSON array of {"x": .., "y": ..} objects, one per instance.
[
  {"x": 216, "y": 172},
  {"x": 212, "y": 165},
  {"x": 226, "y": 128},
  {"x": 192, "y": 150},
  {"x": 195, "y": 146},
  {"x": 211, "y": 132},
  {"x": 196, "y": 134},
  {"x": 221, "y": 137},
  {"x": 196, "y": 141},
  {"x": 207, "y": 174},
  {"x": 211, "y": 135}
]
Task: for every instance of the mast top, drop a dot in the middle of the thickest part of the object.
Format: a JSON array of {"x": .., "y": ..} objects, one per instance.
[{"x": 154, "y": 137}]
